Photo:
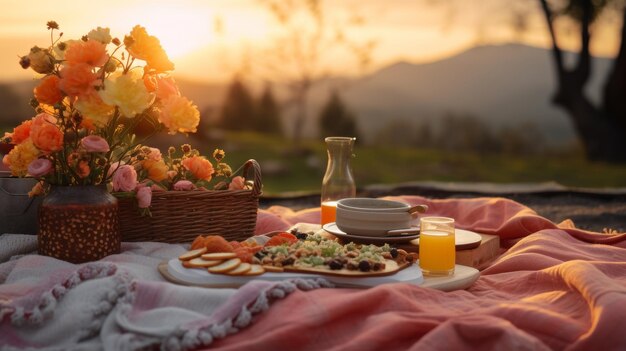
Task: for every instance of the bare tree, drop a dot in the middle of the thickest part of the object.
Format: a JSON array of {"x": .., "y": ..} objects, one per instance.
[
  {"x": 299, "y": 56},
  {"x": 601, "y": 127}
]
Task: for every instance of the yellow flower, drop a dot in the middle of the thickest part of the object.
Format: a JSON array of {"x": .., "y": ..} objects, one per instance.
[
  {"x": 20, "y": 157},
  {"x": 148, "y": 48},
  {"x": 128, "y": 92},
  {"x": 100, "y": 34},
  {"x": 93, "y": 108},
  {"x": 179, "y": 114}
]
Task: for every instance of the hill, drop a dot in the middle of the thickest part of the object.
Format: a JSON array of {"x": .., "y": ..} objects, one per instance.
[{"x": 502, "y": 85}]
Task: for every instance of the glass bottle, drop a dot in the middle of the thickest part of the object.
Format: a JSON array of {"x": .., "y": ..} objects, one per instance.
[{"x": 338, "y": 182}]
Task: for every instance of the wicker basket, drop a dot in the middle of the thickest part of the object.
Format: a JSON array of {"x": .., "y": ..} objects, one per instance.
[{"x": 180, "y": 216}]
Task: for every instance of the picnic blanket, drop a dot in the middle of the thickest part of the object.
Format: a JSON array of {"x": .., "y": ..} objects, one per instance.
[{"x": 557, "y": 287}]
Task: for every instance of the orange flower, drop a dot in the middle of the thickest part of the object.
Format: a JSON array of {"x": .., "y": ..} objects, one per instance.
[
  {"x": 91, "y": 52},
  {"x": 200, "y": 167},
  {"x": 21, "y": 132},
  {"x": 88, "y": 124},
  {"x": 157, "y": 170},
  {"x": 46, "y": 136},
  {"x": 48, "y": 91},
  {"x": 179, "y": 114},
  {"x": 148, "y": 48},
  {"x": 82, "y": 169},
  {"x": 150, "y": 81},
  {"x": 164, "y": 85},
  {"x": 77, "y": 79}
]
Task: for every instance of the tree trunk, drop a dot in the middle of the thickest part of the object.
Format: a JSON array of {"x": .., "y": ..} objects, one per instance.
[
  {"x": 615, "y": 88},
  {"x": 601, "y": 138},
  {"x": 601, "y": 129}
]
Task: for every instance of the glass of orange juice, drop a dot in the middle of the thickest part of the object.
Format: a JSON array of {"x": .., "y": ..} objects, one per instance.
[
  {"x": 329, "y": 211},
  {"x": 437, "y": 246}
]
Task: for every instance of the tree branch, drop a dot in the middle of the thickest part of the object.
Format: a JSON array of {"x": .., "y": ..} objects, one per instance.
[
  {"x": 583, "y": 67},
  {"x": 556, "y": 50},
  {"x": 621, "y": 56}
]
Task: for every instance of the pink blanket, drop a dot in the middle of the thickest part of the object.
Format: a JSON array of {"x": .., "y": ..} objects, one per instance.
[{"x": 556, "y": 288}]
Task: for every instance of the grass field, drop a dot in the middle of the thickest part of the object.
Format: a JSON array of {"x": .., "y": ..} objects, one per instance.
[{"x": 286, "y": 171}]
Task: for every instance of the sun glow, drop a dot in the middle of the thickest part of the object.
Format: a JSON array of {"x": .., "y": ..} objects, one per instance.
[{"x": 180, "y": 29}]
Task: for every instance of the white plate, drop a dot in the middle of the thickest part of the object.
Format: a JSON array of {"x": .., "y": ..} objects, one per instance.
[
  {"x": 332, "y": 229},
  {"x": 464, "y": 239}
]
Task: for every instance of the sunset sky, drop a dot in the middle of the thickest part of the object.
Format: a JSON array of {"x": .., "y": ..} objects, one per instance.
[{"x": 207, "y": 39}]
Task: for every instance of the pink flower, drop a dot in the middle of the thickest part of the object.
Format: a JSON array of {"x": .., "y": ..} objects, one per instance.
[
  {"x": 124, "y": 179},
  {"x": 237, "y": 183},
  {"x": 40, "y": 167},
  {"x": 94, "y": 143},
  {"x": 144, "y": 197},
  {"x": 113, "y": 168},
  {"x": 184, "y": 185}
]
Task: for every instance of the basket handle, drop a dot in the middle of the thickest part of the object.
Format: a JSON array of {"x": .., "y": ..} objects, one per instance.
[
  {"x": 18, "y": 212},
  {"x": 256, "y": 175}
]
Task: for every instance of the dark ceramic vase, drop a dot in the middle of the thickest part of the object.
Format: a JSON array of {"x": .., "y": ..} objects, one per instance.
[{"x": 79, "y": 224}]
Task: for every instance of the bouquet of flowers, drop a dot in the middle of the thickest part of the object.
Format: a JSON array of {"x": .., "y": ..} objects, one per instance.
[
  {"x": 93, "y": 94},
  {"x": 183, "y": 171}
]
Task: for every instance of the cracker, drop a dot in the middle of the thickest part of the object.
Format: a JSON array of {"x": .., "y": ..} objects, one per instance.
[
  {"x": 243, "y": 268},
  {"x": 225, "y": 266},
  {"x": 192, "y": 254},
  {"x": 199, "y": 262},
  {"x": 255, "y": 269},
  {"x": 220, "y": 256}
]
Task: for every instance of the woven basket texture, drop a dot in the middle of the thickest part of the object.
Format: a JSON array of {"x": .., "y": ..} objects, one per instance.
[{"x": 180, "y": 216}]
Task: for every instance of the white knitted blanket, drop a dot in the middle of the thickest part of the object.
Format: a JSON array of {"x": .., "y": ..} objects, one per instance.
[{"x": 118, "y": 303}]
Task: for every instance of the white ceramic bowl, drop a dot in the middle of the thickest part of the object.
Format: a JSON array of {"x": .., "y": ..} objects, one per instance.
[{"x": 372, "y": 217}]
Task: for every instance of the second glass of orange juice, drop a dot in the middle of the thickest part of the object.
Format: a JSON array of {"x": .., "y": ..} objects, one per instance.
[{"x": 437, "y": 250}]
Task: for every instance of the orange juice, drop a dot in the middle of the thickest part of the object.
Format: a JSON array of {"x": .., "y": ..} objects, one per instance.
[
  {"x": 329, "y": 211},
  {"x": 437, "y": 252}
]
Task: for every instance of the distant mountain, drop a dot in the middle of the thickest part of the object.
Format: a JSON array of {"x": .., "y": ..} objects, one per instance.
[{"x": 502, "y": 85}]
